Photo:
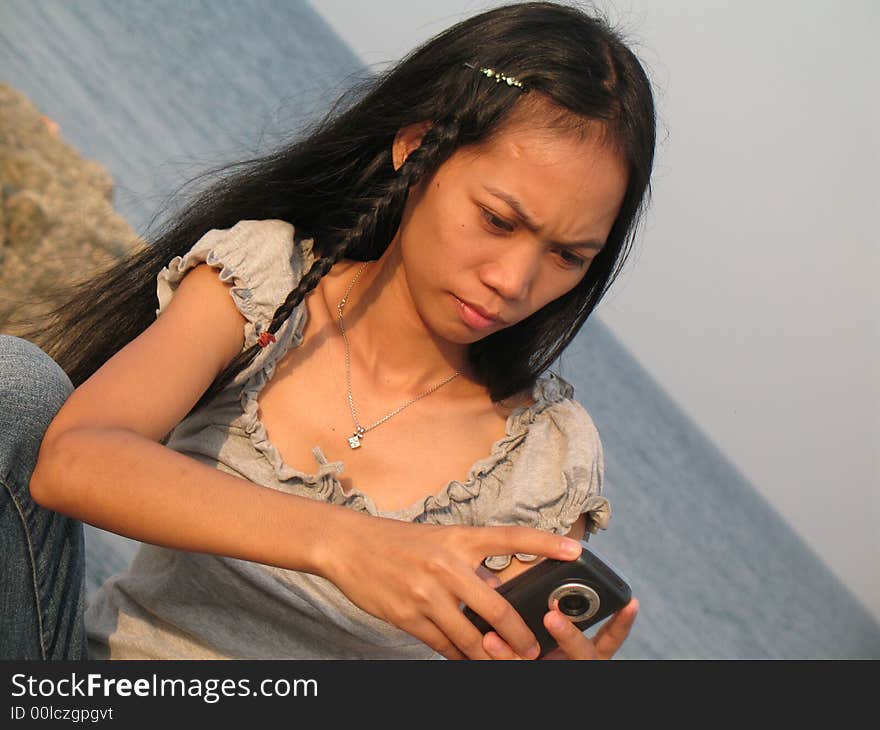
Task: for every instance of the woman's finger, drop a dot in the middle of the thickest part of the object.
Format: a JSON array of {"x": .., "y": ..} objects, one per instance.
[
  {"x": 614, "y": 632},
  {"x": 498, "y": 613},
  {"x": 511, "y": 539},
  {"x": 429, "y": 634},
  {"x": 497, "y": 648},
  {"x": 572, "y": 642},
  {"x": 492, "y": 580},
  {"x": 457, "y": 628}
]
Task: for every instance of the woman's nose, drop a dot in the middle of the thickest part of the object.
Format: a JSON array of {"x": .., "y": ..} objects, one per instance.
[{"x": 512, "y": 272}]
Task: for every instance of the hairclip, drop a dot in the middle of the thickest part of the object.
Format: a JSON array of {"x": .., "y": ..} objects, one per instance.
[{"x": 498, "y": 76}]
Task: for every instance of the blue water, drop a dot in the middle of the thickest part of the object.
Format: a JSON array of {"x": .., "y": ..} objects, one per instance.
[{"x": 159, "y": 91}]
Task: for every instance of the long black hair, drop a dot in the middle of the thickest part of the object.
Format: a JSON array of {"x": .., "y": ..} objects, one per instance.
[{"x": 338, "y": 183}]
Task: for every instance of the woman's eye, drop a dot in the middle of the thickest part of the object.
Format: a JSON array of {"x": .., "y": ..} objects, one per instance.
[
  {"x": 571, "y": 259},
  {"x": 496, "y": 222}
]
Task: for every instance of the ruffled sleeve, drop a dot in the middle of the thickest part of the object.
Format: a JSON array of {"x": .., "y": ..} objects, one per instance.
[
  {"x": 262, "y": 259},
  {"x": 557, "y": 474}
]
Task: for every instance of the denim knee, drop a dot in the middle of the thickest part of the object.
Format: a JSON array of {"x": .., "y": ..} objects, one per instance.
[{"x": 33, "y": 387}]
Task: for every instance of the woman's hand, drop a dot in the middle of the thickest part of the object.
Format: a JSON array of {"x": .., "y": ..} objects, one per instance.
[
  {"x": 573, "y": 643},
  {"x": 416, "y": 576}
]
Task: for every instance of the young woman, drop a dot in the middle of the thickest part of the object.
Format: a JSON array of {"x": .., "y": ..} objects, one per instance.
[{"x": 339, "y": 425}]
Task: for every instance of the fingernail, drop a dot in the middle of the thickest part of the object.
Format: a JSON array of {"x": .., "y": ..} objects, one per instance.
[
  {"x": 533, "y": 652},
  {"x": 556, "y": 622}
]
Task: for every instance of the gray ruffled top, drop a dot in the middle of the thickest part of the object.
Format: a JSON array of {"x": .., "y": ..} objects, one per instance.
[{"x": 545, "y": 472}]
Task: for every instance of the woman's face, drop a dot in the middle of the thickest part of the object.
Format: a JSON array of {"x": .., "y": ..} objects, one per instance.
[{"x": 506, "y": 227}]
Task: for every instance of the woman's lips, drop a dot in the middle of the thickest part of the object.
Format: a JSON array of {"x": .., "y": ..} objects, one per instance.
[{"x": 474, "y": 317}]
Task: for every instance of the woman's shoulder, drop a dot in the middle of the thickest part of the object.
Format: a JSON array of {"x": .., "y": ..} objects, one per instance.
[
  {"x": 261, "y": 261},
  {"x": 551, "y": 401},
  {"x": 550, "y": 436},
  {"x": 551, "y": 468}
]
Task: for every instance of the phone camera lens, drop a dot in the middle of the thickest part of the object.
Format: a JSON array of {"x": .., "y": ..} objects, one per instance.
[
  {"x": 575, "y": 600},
  {"x": 573, "y": 604}
]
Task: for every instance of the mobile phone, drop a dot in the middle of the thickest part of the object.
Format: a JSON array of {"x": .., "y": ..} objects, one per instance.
[{"x": 586, "y": 590}]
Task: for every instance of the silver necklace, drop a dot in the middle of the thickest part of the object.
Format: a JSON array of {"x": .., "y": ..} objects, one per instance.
[{"x": 357, "y": 437}]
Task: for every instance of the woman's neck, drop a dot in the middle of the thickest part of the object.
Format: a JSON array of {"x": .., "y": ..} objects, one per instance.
[{"x": 388, "y": 339}]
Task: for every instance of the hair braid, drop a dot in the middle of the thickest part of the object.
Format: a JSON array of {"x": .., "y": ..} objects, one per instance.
[{"x": 358, "y": 239}]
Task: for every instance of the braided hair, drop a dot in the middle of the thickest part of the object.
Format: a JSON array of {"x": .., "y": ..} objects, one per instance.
[{"x": 338, "y": 185}]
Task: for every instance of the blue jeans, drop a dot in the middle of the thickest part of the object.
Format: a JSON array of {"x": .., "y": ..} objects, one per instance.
[{"x": 42, "y": 553}]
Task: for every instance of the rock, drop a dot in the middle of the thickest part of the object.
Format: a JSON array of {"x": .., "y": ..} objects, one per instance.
[
  {"x": 26, "y": 220},
  {"x": 57, "y": 222}
]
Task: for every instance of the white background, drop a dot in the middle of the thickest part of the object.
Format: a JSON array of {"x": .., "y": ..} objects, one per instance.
[{"x": 750, "y": 296}]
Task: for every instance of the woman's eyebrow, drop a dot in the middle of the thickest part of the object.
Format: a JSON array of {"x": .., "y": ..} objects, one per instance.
[{"x": 529, "y": 221}]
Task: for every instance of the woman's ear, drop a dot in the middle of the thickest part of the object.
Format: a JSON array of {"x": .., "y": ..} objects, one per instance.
[{"x": 406, "y": 140}]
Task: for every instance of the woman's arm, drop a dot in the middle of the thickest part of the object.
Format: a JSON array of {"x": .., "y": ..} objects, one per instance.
[
  {"x": 125, "y": 483},
  {"x": 414, "y": 576}
]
